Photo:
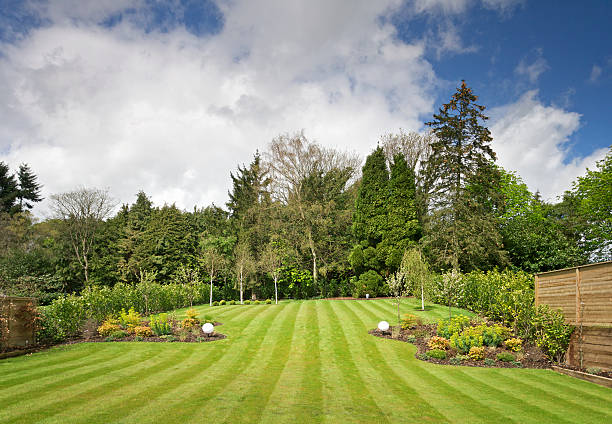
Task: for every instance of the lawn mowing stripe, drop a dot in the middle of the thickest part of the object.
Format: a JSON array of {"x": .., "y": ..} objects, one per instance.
[
  {"x": 267, "y": 368},
  {"x": 45, "y": 399},
  {"x": 143, "y": 394},
  {"x": 171, "y": 356},
  {"x": 102, "y": 384},
  {"x": 494, "y": 392},
  {"x": 38, "y": 370},
  {"x": 58, "y": 355},
  {"x": 51, "y": 381},
  {"x": 365, "y": 406},
  {"x": 571, "y": 387},
  {"x": 436, "y": 387},
  {"x": 179, "y": 403},
  {"x": 548, "y": 396},
  {"x": 297, "y": 396},
  {"x": 419, "y": 408}
]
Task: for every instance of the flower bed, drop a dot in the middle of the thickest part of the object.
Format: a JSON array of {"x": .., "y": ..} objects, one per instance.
[{"x": 467, "y": 343}]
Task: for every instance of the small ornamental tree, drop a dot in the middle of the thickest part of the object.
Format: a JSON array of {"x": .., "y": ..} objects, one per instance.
[{"x": 416, "y": 273}]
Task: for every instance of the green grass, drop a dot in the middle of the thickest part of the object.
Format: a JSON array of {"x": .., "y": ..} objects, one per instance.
[{"x": 299, "y": 362}]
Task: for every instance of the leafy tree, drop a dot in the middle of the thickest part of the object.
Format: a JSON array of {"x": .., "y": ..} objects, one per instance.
[
  {"x": 416, "y": 273},
  {"x": 461, "y": 223},
  {"x": 398, "y": 288},
  {"x": 29, "y": 189},
  {"x": 82, "y": 211},
  {"x": 213, "y": 256},
  {"x": 594, "y": 194},
  {"x": 271, "y": 261},
  {"x": 245, "y": 265},
  {"x": 9, "y": 190}
]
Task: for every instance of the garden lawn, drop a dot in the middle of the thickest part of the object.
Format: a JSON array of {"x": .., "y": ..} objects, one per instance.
[{"x": 298, "y": 362}]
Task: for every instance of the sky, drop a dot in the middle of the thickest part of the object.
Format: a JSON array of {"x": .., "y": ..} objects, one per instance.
[{"x": 169, "y": 97}]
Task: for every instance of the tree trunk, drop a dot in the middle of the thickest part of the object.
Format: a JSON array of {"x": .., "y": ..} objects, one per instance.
[
  {"x": 276, "y": 289},
  {"x": 399, "y": 321},
  {"x": 422, "y": 298},
  {"x": 212, "y": 273},
  {"x": 241, "y": 302}
]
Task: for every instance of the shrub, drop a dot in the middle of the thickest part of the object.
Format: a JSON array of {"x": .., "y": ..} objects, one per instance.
[
  {"x": 437, "y": 342},
  {"x": 410, "y": 321},
  {"x": 160, "y": 325},
  {"x": 411, "y": 339},
  {"x": 422, "y": 356},
  {"x": 129, "y": 320},
  {"x": 191, "y": 320},
  {"x": 143, "y": 331},
  {"x": 505, "y": 357},
  {"x": 494, "y": 335},
  {"x": 138, "y": 339},
  {"x": 469, "y": 337},
  {"x": 109, "y": 326},
  {"x": 593, "y": 370},
  {"x": 168, "y": 337},
  {"x": 62, "y": 319},
  {"x": 420, "y": 334},
  {"x": 477, "y": 353},
  {"x": 517, "y": 364},
  {"x": 221, "y": 302},
  {"x": 118, "y": 334},
  {"x": 514, "y": 344},
  {"x": 369, "y": 282},
  {"x": 489, "y": 362},
  {"x": 231, "y": 302},
  {"x": 436, "y": 353},
  {"x": 552, "y": 333},
  {"x": 448, "y": 327},
  {"x": 268, "y": 301},
  {"x": 257, "y": 302},
  {"x": 247, "y": 302},
  {"x": 455, "y": 361},
  {"x": 215, "y": 303}
]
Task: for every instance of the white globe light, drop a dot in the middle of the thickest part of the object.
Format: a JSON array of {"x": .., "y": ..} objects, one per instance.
[
  {"x": 383, "y": 326},
  {"x": 208, "y": 328}
]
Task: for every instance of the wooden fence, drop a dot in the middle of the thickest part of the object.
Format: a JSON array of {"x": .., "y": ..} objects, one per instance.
[
  {"x": 17, "y": 322},
  {"x": 584, "y": 294}
]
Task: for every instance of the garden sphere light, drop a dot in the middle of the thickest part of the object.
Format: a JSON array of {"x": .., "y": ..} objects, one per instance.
[
  {"x": 208, "y": 328},
  {"x": 383, "y": 326}
]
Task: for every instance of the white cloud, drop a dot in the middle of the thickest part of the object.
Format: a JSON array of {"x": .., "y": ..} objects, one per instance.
[
  {"x": 596, "y": 72},
  {"x": 450, "y": 7},
  {"x": 534, "y": 69},
  {"x": 173, "y": 114},
  {"x": 532, "y": 139}
]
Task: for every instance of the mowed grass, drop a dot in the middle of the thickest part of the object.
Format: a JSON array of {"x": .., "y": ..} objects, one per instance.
[{"x": 296, "y": 362}]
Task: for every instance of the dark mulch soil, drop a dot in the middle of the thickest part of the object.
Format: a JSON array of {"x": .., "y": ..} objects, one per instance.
[{"x": 530, "y": 357}]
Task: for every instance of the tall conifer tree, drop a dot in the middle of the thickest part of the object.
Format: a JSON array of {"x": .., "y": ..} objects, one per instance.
[
  {"x": 8, "y": 189},
  {"x": 29, "y": 189}
]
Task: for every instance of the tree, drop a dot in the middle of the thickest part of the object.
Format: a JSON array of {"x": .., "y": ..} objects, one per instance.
[
  {"x": 272, "y": 261},
  {"x": 9, "y": 190},
  {"x": 82, "y": 211},
  {"x": 244, "y": 264},
  {"x": 29, "y": 189},
  {"x": 297, "y": 165},
  {"x": 464, "y": 190},
  {"x": 416, "y": 273},
  {"x": 398, "y": 288},
  {"x": 213, "y": 256},
  {"x": 594, "y": 194}
]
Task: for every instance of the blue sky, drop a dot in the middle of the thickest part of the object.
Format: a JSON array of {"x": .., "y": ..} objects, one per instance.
[{"x": 169, "y": 97}]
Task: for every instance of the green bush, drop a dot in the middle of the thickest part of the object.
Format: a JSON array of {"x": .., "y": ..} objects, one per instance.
[
  {"x": 410, "y": 321},
  {"x": 247, "y": 302},
  {"x": 370, "y": 282},
  {"x": 130, "y": 319},
  {"x": 455, "y": 361},
  {"x": 468, "y": 338},
  {"x": 411, "y": 338},
  {"x": 160, "y": 325},
  {"x": 448, "y": 327},
  {"x": 505, "y": 357},
  {"x": 222, "y": 302},
  {"x": 489, "y": 362},
  {"x": 436, "y": 353},
  {"x": 257, "y": 302},
  {"x": 119, "y": 334},
  {"x": 552, "y": 333},
  {"x": 231, "y": 302},
  {"x": 494, "y": 335},
  {"x": 268, "y": 301}
]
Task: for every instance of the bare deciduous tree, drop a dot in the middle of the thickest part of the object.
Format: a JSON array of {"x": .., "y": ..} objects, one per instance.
[{"x": 83, "y": 210}]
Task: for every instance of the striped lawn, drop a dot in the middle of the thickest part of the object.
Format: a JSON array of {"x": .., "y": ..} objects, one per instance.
[{"x": 297, "y": 362}]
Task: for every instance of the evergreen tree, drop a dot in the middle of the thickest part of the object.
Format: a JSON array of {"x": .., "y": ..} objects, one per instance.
[
  {"x": 403, "y": 228},
  {"x": 369, "y": 218},
  {"x": 29, "y": 189},
  {"x": 464, "y": 192},
  {"x": 9, "y": 190}
]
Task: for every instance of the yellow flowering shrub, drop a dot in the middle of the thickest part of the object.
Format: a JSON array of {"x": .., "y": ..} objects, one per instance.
[
  {"x": 437, "y": 342},
  {"x": 143, "y": 331},
  {"x": 514, "y": 345},
  {"x": 477, "y": 353}
]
